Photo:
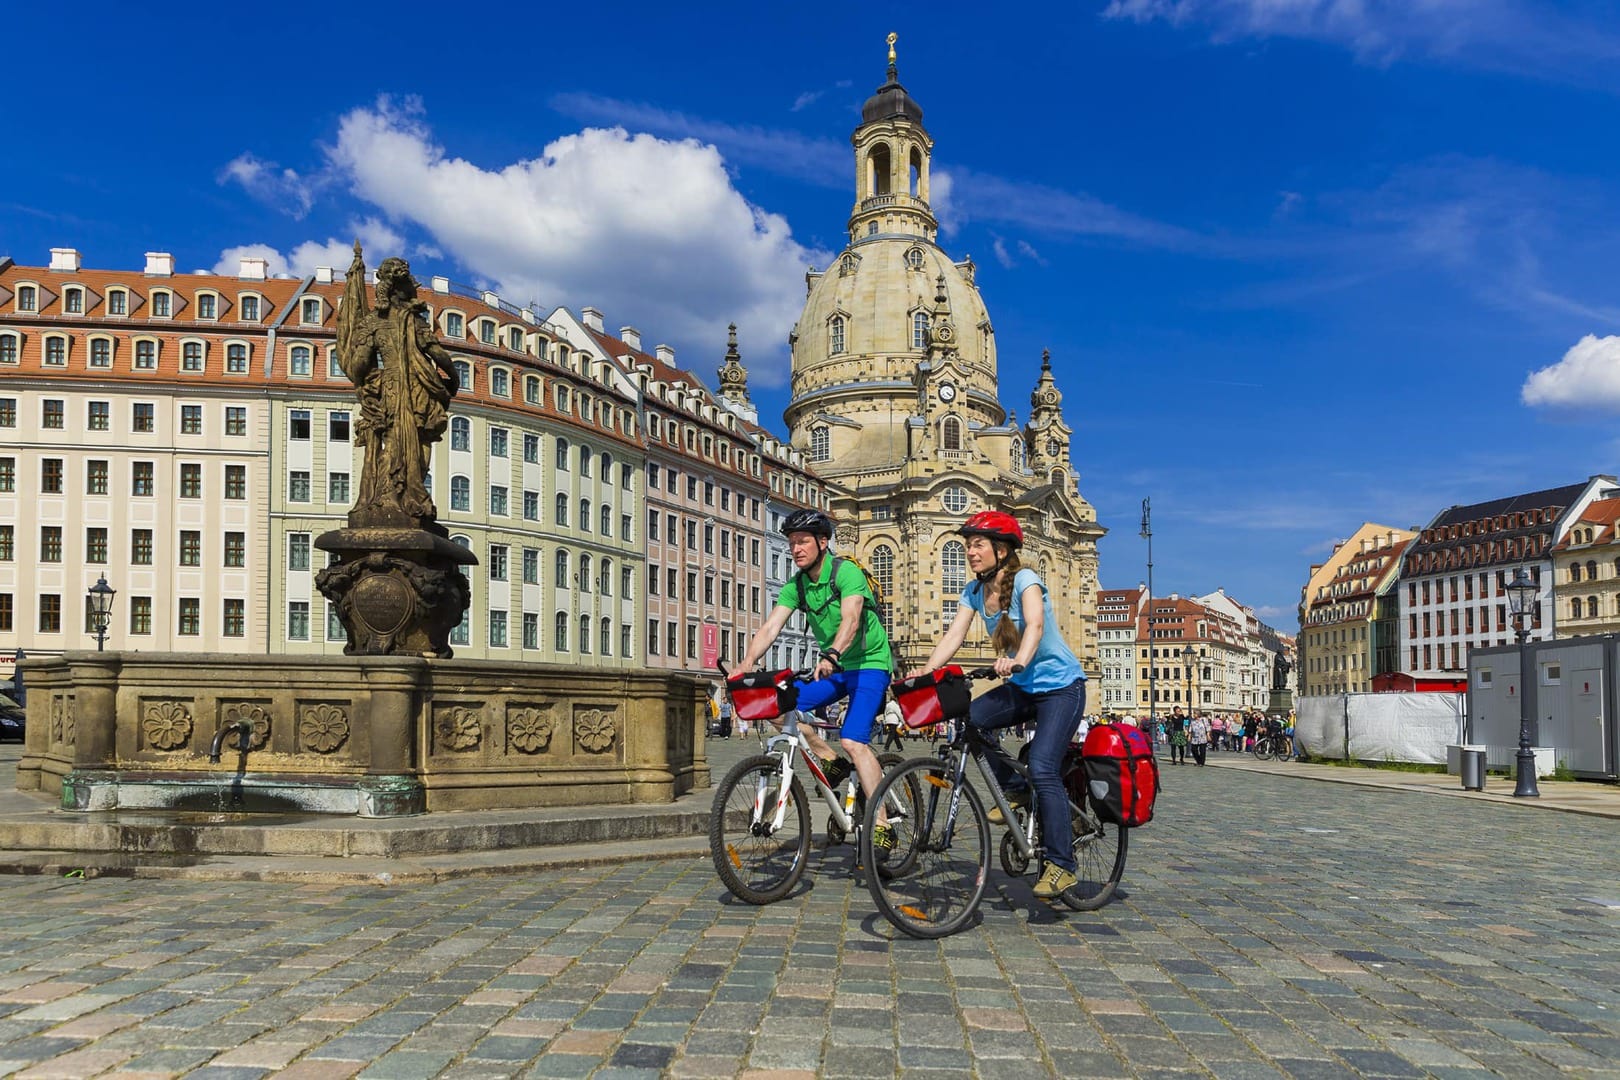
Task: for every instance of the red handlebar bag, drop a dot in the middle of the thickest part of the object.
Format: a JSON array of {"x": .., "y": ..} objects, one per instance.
[
  {"x": 934, "y": 697},
  {"x": 762, "y": 695}
]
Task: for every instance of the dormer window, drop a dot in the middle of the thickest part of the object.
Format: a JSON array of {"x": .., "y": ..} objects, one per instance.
[
  {"x": 514, "y": 339},
  {"x": 820, "y": 444},
  {"x": 531, "y": 389},
  {"x": 101, "y": 352},
  {"x": 162, "y": 305},
  {"x": 73, "y": 301},
  {"x": 500, "y": 382},
  {"x": 191, "y": 356},
  {"x": 249, "y": 307},
  {"x": 311, "y": 311},
  {"x": 914, "y": 258},
  {"x": 454, "y": 325},
  {"x": 56, "y": 351},
  {"x": 835, "y": 343},
  {"x": 27, "y": 298},
  {"x": 117, "y": 302},
  {"x": 207, "y": 306},
  {"x": 298, "y": 360},
  {"x": 145, "y": 355},
  {"x": 463, "y": 375},
  {"x": 486, "y": 331},
  {"x": 919, "y": 330},
  {"x": 236, "y": 359}
]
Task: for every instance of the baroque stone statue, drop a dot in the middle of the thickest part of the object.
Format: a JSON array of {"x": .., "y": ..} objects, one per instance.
[
  {"x": 395, "y": 578},
  {"x": 405, "y": 381},
  {"x": 1280, "y": 667}
]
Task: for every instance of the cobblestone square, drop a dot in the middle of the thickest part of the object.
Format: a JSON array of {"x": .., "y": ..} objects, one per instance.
[{"x": 1403, "y": 935}]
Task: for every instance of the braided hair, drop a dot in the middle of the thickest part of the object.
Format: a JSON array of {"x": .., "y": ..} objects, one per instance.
[{"x": 1006, "y": 635}]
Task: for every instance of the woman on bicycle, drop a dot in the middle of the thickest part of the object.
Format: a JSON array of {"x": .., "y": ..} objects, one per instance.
[{"x": 1050, "y": 690}]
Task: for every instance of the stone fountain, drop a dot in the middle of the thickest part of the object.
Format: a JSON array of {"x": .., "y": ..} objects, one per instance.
[{"x": 393, "y": 727}]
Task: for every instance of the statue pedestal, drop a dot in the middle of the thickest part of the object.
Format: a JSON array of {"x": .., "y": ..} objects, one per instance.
[
  {"x": 399, "y": 590},
  {"x": 1281, "y": 703}
]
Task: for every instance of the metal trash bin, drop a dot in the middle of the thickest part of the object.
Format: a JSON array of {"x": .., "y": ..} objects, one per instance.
[{"x": 1473, "y": 768}]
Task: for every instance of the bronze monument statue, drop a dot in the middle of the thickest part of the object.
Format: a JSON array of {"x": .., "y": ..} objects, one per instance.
[
  {"x": 1280, "y": 667},
  {"x": 396, "y": 581}
]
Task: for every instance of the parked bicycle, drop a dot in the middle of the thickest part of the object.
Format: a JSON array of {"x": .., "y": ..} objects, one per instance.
[
  {"x": 1272, "y": 745},
  {"x": 945, "y": 835},
  {"x": 759, "y": 828}
]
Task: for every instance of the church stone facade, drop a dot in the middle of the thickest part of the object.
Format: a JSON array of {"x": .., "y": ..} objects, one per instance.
[{"x": 895, "y": 402}]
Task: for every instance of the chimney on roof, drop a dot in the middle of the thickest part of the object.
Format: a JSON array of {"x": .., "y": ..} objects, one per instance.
[
  {"x": 253, "y": 269},
  {"x": 666, "y": 353},
  {"x": 631, "y": 337},
  {"x": 441, "y": 284},
  {"x": 592, "y": 319},
  {"x": 65, "y": 259},
  {"x": 159, "y": 264},
  {"x": 1366, "y": 545},
  {"x": 323, "y": 275}
]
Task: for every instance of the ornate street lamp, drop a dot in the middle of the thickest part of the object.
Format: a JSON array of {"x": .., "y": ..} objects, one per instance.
[
  {"x": 101, "y": 601},
  {"x": 1522, "y": 602},
  {"x": 1188, "y": 655},
  {"x": 1146, "y": 533}
]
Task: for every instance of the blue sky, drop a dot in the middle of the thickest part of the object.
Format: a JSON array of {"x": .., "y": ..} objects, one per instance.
[{"x": 1300, "y": 263}]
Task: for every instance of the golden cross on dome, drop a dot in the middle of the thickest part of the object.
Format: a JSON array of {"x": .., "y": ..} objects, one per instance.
[{"x": 893, "y": 37}]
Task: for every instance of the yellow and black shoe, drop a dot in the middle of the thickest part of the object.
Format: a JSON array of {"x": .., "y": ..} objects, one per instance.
[
  {"x": 1018, "y": 800},
  {"x": 882, "y": 840},
  {"x": 1055, "y": 881},
  {"x": 836, "y": 770}
]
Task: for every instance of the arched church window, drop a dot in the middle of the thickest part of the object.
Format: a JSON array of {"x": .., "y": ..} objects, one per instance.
[
  {"x": 871, "y": 228},
  {"x": 914, "y": 258},
  {"x": 919, "y": 330},
  {"x": 836, "y": 336},
  {"x": 1017, "y": 454},
  {"x": 883, "y": 570},
  {"x": 820, "y": 444},
  {"x": 1055, "y": 476},
  {"x": 882, "y": 169},
  {"x": 950, "y": 433},
  {"x": 916, "y": 172},
  {"x": 953, "y": 575}
]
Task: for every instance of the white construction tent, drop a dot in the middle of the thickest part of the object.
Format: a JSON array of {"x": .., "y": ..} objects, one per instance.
[{"x": 1390, "y": 726}]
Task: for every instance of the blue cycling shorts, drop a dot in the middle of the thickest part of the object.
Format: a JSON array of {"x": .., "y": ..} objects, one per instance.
[{"x": 864, "y": 687}]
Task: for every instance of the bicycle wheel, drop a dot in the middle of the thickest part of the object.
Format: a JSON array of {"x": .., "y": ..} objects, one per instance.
[
  {"x": 1262, "y": 748},
  {"x": 899, "y": 802},
  {"x": 1099, "y": 860},
  {"x": 757, "y": 862},
  {"x": 949, "y": 863}
]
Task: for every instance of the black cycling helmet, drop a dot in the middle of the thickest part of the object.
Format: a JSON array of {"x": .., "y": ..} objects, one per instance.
[{"x": 810, "y": 521}]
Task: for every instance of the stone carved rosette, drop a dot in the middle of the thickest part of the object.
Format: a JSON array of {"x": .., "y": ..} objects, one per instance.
[
  {"x": 595, "y": 730},
  {"x": 459, "y": 728},
  {"x": 256, "y": 715},
  {"x": 529, "y": 730},
  {"x": 323, "y": 728},
  {"x": 166, "y": 725}
]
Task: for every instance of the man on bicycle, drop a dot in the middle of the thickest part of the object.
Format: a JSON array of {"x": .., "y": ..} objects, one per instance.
[{"x": 856, "y": 661}]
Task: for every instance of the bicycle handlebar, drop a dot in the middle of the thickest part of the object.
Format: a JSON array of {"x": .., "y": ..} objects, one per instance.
[{"x": 990, "y": 672}]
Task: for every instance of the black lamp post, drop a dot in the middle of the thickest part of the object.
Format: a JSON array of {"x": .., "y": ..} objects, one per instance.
[
  {"x": 101, "y": 600},
  {"x": 1146, "y": 533},
  {"x": 1188, "y": 655},
  {"x": 1521, "y": 601}
]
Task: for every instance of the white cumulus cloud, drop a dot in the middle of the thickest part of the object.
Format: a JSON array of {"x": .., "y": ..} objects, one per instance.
[
  {"x": 378, "y": 239},
  {"x": 268, "y": 182},
  {"x": 1588, "y": 377},
  {"x": 649, "y": 230}
]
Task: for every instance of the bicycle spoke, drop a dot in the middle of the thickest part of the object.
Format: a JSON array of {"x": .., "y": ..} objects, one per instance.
[{"x": 942, "y": 863}]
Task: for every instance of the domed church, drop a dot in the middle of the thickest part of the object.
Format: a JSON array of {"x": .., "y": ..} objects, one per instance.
[{"x": 894, "y": 400}]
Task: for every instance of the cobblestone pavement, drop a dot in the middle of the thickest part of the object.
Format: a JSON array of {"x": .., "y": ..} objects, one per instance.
[{"x": 1269, "y": 927}]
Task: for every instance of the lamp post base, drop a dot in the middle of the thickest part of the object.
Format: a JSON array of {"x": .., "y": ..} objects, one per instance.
[{"x": 1526, "y": 786}]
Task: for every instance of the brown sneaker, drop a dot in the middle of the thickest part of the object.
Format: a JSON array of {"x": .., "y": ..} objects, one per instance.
[{"x": 1055, "y": 881}]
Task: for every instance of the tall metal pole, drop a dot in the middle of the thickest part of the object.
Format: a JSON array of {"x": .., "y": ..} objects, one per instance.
[
  {"x": 1525, "y": 759},
  {"x": 1153, "y": 689}
]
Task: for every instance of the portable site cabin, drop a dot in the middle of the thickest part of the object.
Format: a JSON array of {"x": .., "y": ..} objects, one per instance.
[{"x": 1571, "y": 697}]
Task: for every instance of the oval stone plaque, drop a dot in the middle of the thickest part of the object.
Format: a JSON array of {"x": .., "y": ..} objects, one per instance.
[{"x": 383, "y": 602}]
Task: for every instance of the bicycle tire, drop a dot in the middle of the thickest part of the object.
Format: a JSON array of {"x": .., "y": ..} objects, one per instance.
[
  {"x": 1262, "y": 749},
  {"x": 1099, "y": 860},
  {"x": 756, "y": 866},
  {"x": 940, "y": 891},
  {"x": 899, "y": 801}
]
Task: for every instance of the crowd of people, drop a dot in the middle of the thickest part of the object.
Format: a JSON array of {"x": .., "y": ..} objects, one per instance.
[{"x": 1201, "y": 733}]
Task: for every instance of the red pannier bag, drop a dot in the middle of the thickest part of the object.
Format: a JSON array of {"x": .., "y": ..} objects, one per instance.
[
  {"x": 1118, "y": 772},
  {"x": 762, "y": 695},
  {"x": 933, "y": 698}
]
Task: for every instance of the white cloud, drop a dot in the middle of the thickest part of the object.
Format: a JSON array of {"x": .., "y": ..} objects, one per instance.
[
  {"x": 1587, "y": 378},
  {"x": 649, "y": 230},
  {"x": 807, "y": 99},
  {"x": 998, "y": 247},
  {"x": 1027, "y": 250},
  {"x": 303, "y": 259},
  {"x": 267, "y": 182}
]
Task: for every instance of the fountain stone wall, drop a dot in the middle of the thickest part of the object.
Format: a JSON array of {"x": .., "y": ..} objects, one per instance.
[{"x": 376, "y": 736}]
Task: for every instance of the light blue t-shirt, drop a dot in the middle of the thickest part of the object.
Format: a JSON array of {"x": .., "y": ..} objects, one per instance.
[{"x": 1054, "y": 665}]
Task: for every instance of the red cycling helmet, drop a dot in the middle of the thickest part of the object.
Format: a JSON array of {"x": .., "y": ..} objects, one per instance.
[{"x": 996, "y": 525}]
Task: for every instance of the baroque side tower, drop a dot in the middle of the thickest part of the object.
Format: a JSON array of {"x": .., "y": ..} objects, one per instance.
[{"x": 895, "y": 402}]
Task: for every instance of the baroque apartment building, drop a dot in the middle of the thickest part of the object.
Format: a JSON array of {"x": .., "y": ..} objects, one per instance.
[
  {"x": 1340, "y": 627},
  {"x": 894, "y": 400},
  {"x": 189, "y": 436},
  {"x": 1118, "y": 614},
  {"x": 1586, "y": 571},
  {"x": 1454, "y": 574}
]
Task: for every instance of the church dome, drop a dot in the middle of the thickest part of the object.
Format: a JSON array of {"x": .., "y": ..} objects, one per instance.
[
  {"x": 874, "y": 292},
  {"x": 891, "y": 101}
]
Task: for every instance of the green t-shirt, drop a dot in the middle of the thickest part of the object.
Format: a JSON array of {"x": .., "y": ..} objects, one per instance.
[{"x": 870, "y": 649}]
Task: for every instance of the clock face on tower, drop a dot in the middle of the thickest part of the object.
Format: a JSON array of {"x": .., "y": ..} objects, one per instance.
[{"x": 947, "y": 392}]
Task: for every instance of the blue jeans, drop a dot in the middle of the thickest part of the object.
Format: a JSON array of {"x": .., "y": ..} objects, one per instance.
[
  {"x": 1057, "y": 717},
  {"x": 864, "y": 687}
]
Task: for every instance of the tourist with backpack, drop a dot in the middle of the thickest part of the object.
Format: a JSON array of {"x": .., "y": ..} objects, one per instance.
[
  {"x": 1050, "y": 690},
  {"x": 840, "y": 604}
]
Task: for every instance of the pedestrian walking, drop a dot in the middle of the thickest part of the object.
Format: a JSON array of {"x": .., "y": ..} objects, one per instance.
[
  {"x": 1178, "y": 737},
  {"x": 1198, "y": 736},
  {"x": 893, "y": 725}
]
